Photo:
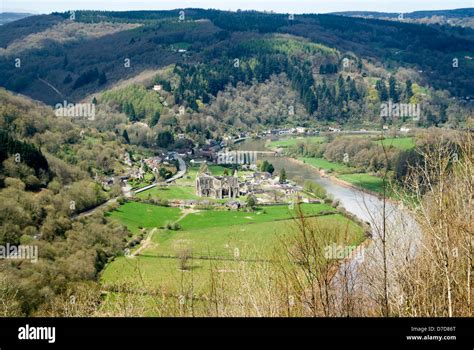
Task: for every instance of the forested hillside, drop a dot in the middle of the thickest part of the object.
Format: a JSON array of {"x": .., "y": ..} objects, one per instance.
[
  {"x": 46, "y": 169},
  {"x": 308, "y": 85},
  {"x": 216, "y": 68},
  {"x": 67, "y": 65}
]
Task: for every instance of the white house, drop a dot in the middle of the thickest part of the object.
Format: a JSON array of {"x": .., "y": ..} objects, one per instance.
[{"x": 300, "y": 130}]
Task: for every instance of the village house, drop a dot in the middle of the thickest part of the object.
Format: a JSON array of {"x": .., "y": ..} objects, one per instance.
[
  {"x": 300, "y": 130},
  {"x": 126, "y": 159},
  {"x": 137, "y": 174},
  {"x": 153, "y": 162}
]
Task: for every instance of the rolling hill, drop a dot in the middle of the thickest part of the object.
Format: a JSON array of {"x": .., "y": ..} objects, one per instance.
[
  {"x": 7, "y": 17},
  {"x": 151, "y": 39}
]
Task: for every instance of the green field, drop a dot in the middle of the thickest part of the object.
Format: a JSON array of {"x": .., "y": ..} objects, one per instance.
[
  {"x": 322, "y": 163},
  {"x": 136, "y": 215},
  {"x": 189, "y": 178},
  {"x": 218, "y": 238},
  {"x": 158, "y": 265},
  {"x": 402, "y": 143},
  {"x": 220, "y": 241},
  {"x": 212, "y": 218},
  {"x": 343, "y": 172},
  {"x": 366, "y": 181},
  {"x": 285, "y": 143},
  {"x": 170, "y": 192}
]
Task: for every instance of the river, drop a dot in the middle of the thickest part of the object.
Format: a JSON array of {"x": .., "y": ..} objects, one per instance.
[
  {"x": 402, "y": 232},
  {"x": 359, "y": 203}
]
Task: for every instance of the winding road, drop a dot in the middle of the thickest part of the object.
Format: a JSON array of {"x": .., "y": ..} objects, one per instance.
[{"x": 127, "y": 191}]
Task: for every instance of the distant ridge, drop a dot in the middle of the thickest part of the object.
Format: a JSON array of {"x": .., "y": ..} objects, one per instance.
[
  {"x": 458, "y": 17},
  {"x": 463, "y": 12},
  {"x": 7, "y": 17}
]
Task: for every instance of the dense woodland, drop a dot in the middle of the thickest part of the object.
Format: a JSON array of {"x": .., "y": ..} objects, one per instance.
[
  {"x": 45, "y": 180},
  {"x": 430, "y": 49},
  {"x": 331, "y": 88}
]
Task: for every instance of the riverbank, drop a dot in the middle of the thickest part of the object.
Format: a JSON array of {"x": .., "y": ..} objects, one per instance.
[
  {"x": 400, "y": 230},
  {"x": 340, "y": 172},
  {"x": 333, "y": 178}
]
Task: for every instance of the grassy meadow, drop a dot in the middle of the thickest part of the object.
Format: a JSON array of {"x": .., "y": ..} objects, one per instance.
[
  {"x": 322, "y": 163},
  {"x": 219, "y": 239},
  {"x": 215, "y": 242},
  {"x": 401, "y": 143},
  {"x": 365, "y": 181},
  {"x": 136, "y": 215},
  {"x": 285, "y": 143},
  {"x": 345, "y": 173}
]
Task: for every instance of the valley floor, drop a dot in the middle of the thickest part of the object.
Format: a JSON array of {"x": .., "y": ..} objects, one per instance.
[{"x": 185, "y": 248}]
